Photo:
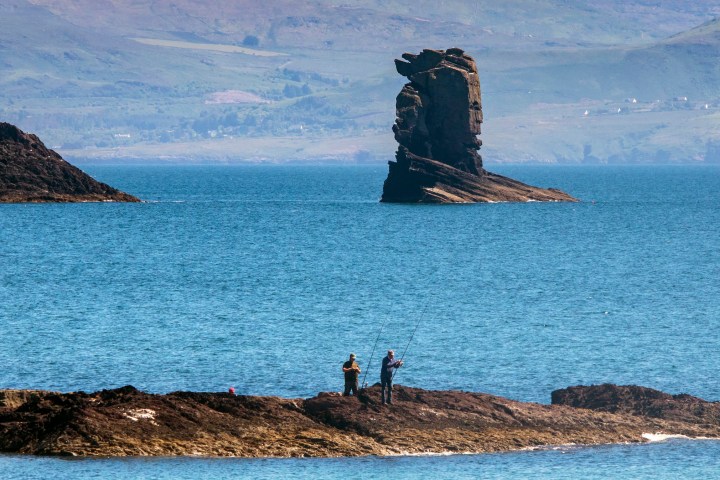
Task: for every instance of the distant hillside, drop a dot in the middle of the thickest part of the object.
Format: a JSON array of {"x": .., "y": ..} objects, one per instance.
[
  {"x": 324, "y": 23},
  {"x": 706, "y": 34},
  {"x": 227, "y": 81}
]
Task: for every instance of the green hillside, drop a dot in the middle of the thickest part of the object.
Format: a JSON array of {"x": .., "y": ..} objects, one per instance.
[{"x": 123, "y": 80}]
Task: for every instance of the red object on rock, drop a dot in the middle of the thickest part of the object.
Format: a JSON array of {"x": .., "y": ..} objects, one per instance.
[{"x": 231, "y": 390}]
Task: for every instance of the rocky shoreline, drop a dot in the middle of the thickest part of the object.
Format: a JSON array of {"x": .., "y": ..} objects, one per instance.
[{"x": 128, "y": 422}]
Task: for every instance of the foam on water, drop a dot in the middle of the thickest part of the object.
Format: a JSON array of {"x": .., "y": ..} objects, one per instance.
[{"x": 663, "y": 437}]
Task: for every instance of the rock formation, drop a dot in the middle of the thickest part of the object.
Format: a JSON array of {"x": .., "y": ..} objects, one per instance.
[
  {"x": 30, "y": 172},
  {"x": 439, "y": 114},
  {"x": 642, "y": 401},
  {"x": 126, "y": 421}
]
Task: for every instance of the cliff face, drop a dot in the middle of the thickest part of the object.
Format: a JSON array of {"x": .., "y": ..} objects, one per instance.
[
  {"x": 126, "y": 421},
  {"x": 30, "y": 172},
  {"x": 439, "y": 114},
  {"x": 440, "y": 111}
]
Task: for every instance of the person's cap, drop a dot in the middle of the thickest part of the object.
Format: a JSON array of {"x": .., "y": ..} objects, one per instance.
[
  {"x": 352, "y": 355},
  {"x": 391, "y": 352}
]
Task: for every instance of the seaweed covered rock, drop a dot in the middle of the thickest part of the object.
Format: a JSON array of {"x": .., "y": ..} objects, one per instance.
[
  {"x": 126, "y": 421},
  {"x": 640, "y": 401}
]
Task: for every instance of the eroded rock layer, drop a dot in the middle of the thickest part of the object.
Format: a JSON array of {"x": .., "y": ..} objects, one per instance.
[
  {"x": 30, "y": 172},
  {"x": 126, "y": 421},
  {"x": 439, "y": 115},
  {"x": 641, "y": 401}
]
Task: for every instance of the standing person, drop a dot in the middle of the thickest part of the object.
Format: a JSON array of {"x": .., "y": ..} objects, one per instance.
[
  {"x": 389, "y": 364},
  {"x": 352, "y": 370}
]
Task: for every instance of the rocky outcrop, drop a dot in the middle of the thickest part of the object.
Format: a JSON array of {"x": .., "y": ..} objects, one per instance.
[
  {"x": 30, "y": 172},
  {"x": 641, "y": 401},
  {"x": 126, "y": 421},
  {"x": 439, "y": 114}
]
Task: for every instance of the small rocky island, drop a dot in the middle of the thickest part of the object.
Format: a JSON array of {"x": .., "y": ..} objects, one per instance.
[
  {"x": 126, "y": 421},
  {"x": 30, "y": 172},
  {"x": 439, "y": 113}
]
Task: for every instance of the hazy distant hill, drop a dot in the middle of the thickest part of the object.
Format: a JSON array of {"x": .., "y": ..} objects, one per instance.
[{"x": 569, "y": 81}]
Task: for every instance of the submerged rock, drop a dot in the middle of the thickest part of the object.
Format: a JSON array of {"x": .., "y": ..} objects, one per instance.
[
  {"x": 439, "y": 114},
  {"x": 126, "y": 421},
  {"x": 30, "y": 172}
]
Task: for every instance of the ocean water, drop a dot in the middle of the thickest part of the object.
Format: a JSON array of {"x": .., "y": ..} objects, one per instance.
[{"x": 266, "y": 277}]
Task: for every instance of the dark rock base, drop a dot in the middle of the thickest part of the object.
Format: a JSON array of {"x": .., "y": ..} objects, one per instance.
[
  {"x": 414, "y": 179},
  {"x": 126, "y": 421},
  {"x": 30, "y": 172}
]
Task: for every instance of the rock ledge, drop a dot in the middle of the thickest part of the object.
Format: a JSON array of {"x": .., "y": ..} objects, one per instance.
[
  {"x": 30, "y": 172},
  {"x": 125, "y": 421}
]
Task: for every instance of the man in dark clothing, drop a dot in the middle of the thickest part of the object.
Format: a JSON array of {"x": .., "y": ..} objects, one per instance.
[
  {"x": 352, "y": 370},
  {"x": 389, "y": 364}
]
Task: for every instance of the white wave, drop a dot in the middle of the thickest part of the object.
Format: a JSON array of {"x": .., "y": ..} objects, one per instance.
[
  {"x": 562, "y": 448},
  {"x": 661, "y": 437},
  {"x": 534, "y": 448},
  {"x": 432, "y": 454}
]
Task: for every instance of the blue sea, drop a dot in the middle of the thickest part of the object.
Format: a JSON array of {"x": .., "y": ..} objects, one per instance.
[{"x": 265, "y": 278}]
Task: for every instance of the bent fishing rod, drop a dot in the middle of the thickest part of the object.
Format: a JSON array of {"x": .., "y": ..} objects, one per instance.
[
  {"x": 367, "y": 369},
  {"x": 420, "y": 319}
]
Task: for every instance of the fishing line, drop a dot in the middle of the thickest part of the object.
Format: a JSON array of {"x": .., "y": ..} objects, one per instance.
[
  {"x": 420, "y": 319},
  {"x": 367, "y": 369},
  {"x": 395, "y": 307}
]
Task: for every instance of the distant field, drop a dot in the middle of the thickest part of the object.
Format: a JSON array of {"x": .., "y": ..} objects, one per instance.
[
  {"x": 214, "y": 47},
  {"x": 361, "y": 148},
  {"x": 233, "y": 96}
]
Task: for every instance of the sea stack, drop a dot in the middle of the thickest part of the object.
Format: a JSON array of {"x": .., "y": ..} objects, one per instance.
[
  {"x": 30, "y": 172},
  {"x": 439, "y": 114}
]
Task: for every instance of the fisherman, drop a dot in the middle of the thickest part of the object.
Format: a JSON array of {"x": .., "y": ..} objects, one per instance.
[
  {"x": 352, "y": 370},
  {"x": 389, "y": 364}
]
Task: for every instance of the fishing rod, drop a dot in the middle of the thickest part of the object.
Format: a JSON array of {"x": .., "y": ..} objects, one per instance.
[
  {"x": 420, "y": 319},
  {"x": 367, "y": 369}
]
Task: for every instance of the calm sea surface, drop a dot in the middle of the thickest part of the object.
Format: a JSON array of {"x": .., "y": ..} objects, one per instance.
[{"x": 265, "y": 278}]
